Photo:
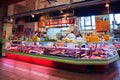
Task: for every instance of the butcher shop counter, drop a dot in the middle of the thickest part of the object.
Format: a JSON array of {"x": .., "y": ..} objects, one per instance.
[{"x": 68, "y": 56}]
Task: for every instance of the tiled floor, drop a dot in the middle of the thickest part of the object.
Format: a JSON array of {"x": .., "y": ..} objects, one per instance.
[{"x": 17, "y": 70}]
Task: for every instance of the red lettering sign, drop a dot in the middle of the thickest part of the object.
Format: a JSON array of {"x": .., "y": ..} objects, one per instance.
[{"x": 60, "y": 21}]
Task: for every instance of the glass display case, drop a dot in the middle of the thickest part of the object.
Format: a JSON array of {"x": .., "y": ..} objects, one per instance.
[
  {"x": 116, "y": 43},
  {"x": 82, "y": 57},
  {"x": 97, "y": 52}
]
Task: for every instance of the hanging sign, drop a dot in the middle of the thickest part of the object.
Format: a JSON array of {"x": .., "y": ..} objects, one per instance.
[{"x": 59, "y": 22}]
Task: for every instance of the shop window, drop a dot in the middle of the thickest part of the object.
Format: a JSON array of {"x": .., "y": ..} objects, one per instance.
[
  {"x": 87, "y": 23},
  {"x": 83, "y": 28},
  {"x": 87, "y": 20},
  {"x": 117, "y": 18},
  {"x": 82, "y": 21},
  {"x": 93, "y": 26},
  {"x": 93, "y": 21},
  {"x": 114, "y": 20},
  {"x": 88, "y": 28},
  {"x": 111, "y": 16}
]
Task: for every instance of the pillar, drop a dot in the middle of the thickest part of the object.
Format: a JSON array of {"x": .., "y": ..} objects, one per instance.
[{"x": 3, "y": 13}]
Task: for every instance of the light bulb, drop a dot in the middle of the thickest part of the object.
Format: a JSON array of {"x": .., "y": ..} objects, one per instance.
[
  {"x": 61, "y": 11},
  {"x": 33, "y": 15},
  {"x": 107, "y": 5},
  {"x": 11, "y": 20}
]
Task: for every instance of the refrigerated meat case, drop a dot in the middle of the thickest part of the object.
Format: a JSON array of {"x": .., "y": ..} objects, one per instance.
[
  {"x": 86, "y": 57},
  {"x": 116, "y": 43}
]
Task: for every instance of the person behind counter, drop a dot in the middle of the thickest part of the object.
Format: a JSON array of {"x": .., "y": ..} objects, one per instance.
[
  {"x": 79, "y": 36},
  {"x": 71, "y": 35},
  {"x": 42, "y": 36}
]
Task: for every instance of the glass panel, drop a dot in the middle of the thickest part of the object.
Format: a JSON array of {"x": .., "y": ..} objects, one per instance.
[
  {"x": 93, "y": 20},
  {"x": 82, "y": 21},
  {"x": 93, "y": 27},
  {"x": 111, "y": 18},
  {"x": 88, "y": 28},
  {"x": 117, "y": 18},
  {"x": 111, "y": 26},
  {"x": 83, "y": 28},
  {"x": 87, "y": 21}
]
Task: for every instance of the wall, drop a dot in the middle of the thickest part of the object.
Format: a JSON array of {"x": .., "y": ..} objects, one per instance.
[
  {"x": 30, "y": 5},
  {"x": 15, "y": 9},
  {"x": 3, "y": 11},
  {"x": 22, "y": 6},
  {"x": 18, "y": 9}
]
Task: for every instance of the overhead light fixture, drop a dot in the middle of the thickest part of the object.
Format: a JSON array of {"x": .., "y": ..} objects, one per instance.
[
  {"x": 61, "y": 11},
  {"x": 107, "y": 4},
  {"x": 32, "y": 15},
  {"x": 10, "y": 19}
]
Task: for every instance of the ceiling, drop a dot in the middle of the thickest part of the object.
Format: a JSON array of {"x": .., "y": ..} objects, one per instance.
[
  {"x": 22, "y": 3},
  {"x": 78, "y": 6},
  {"x": 4, "y": 3}
]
